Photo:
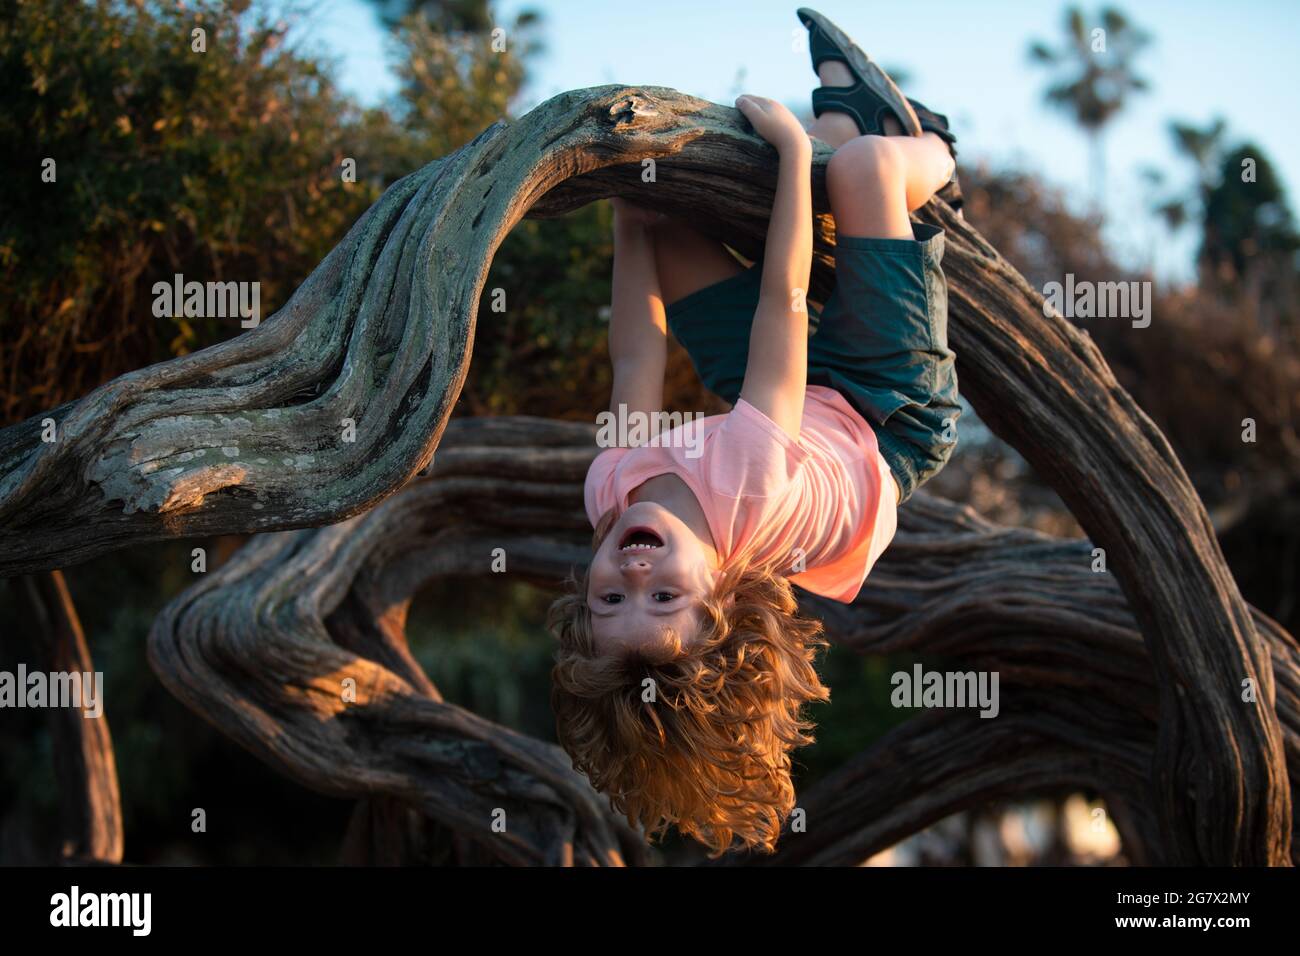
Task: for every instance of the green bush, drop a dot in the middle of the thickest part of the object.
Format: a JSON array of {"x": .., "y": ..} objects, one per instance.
[{"x": 220, "y": 165}]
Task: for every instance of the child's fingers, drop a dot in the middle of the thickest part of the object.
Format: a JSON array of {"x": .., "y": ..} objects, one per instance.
[{"x": 753, "y": 109}]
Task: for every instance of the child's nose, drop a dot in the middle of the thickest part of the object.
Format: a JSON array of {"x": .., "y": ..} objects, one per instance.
[{"x": 635, "y": 565}]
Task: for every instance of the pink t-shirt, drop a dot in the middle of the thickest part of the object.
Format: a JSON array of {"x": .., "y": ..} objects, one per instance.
[{"x": 828, "y": 497}]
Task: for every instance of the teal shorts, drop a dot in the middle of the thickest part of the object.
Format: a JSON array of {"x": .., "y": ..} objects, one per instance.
[{"x": 881, "y": 341}]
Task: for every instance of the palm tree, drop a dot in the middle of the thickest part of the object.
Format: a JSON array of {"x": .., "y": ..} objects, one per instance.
[
  {"x": 1202, "y": 147},
  {"x": 1095, "y": 76}
]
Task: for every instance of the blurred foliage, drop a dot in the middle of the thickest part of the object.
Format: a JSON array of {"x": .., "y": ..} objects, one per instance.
[
  {"x": 456, "y": 77},
  {"x": 1213, "y": 356},
  {"x": 1248, "y": 239},
  {"x": 480, "y": 643},
  {"x": 1247, "y": 224},
  {"x": 169, "y": 761},
  {"x": 447, "y": 16},
  {"x": 1094, "y": 75},
  {"x": 539, "y": 346},
  {"x": 1207, "y": 360},
  {"x": 226, "y": 165},
  {"x": 222, "y": 165},
  {"x": 1094, "y": 65}
]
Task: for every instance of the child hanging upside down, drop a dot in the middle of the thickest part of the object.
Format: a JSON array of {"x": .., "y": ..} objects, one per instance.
[{"x": 683, "y": 667}]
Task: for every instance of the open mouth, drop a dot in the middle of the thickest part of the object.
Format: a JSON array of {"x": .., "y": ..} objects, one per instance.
[{"x": 640, "y": 539}]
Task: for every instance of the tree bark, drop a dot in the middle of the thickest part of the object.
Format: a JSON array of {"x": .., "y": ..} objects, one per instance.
[
  {"x": 251, "y": 435},
  {"x": 89, "y": 800},
  {"x": 1077, "y": 686}
]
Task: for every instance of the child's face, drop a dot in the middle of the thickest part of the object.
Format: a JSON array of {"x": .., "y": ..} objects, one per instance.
[{"x": 650, "y": 573}]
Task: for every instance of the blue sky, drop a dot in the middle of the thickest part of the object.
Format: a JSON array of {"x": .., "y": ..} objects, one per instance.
[{"x": 968, "y": 60}]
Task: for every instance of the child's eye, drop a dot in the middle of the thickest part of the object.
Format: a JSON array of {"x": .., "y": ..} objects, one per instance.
[
  {"x": 664, "y": 596},
  {"x": 612, "y": 598}
]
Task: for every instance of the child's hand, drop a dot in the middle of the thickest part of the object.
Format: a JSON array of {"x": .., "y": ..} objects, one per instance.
[{"x": 772, "y": 121}]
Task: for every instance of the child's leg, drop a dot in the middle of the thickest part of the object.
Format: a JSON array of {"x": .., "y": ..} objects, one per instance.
[
  {"x": 922, "y": 158},
  {"x": 874, "y": 182},
  {"x": 689, "y": 261},
  {"x": 835, "y": 128},
  {"x": 710, "y": 302},
  {"x": 882, "y": 340}
]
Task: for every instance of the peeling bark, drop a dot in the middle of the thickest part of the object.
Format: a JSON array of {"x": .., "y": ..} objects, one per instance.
[
  {"x": 247, "y": 436},
  {"x": 1079, "y": 706}
]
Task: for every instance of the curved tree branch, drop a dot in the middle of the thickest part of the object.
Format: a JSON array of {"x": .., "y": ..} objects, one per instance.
[
  {"x": 249, "y": 649},
  {"x": 250, "y": 435},
  {"x": 940, "y": 763},
  {"x": 1077, "y": 687},
  {"x": 84, "y": 764}
]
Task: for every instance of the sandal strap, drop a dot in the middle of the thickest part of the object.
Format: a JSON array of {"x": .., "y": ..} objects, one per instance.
[
  {"x": 937, "y": 123},
  {"x": 877, "y": 86},
  {"x": 821, "y": 47},
  {"x": 846, "y": 99}
]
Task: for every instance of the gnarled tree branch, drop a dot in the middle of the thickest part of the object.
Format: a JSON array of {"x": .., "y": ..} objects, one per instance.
[
  {"x": 84, "y": 764},
  {"x": 1077, "y": 687},
  {"x": 249, "y": 435}
]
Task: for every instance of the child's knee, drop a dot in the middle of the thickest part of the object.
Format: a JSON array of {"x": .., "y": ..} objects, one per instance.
[{"x": 864, "y": 158}]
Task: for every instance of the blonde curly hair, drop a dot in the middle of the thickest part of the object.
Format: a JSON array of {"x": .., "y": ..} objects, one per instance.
[{"x": 695, "y": 737}]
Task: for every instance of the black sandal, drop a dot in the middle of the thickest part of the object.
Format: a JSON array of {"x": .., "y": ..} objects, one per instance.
[
  {"x": 873, "y": 95},
  {"x": 937, "y": 123}
]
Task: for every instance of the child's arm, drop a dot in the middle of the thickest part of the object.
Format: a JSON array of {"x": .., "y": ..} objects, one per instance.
[
  {"x": 638, "y": 327},
  {"x": 777, "y": 374}
]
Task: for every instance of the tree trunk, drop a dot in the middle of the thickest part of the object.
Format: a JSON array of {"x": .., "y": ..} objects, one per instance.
[
  {"x": 1077, "y": 686},
  {"x": 84, "y": 767},
  {"x": 253, "y": 434}
]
